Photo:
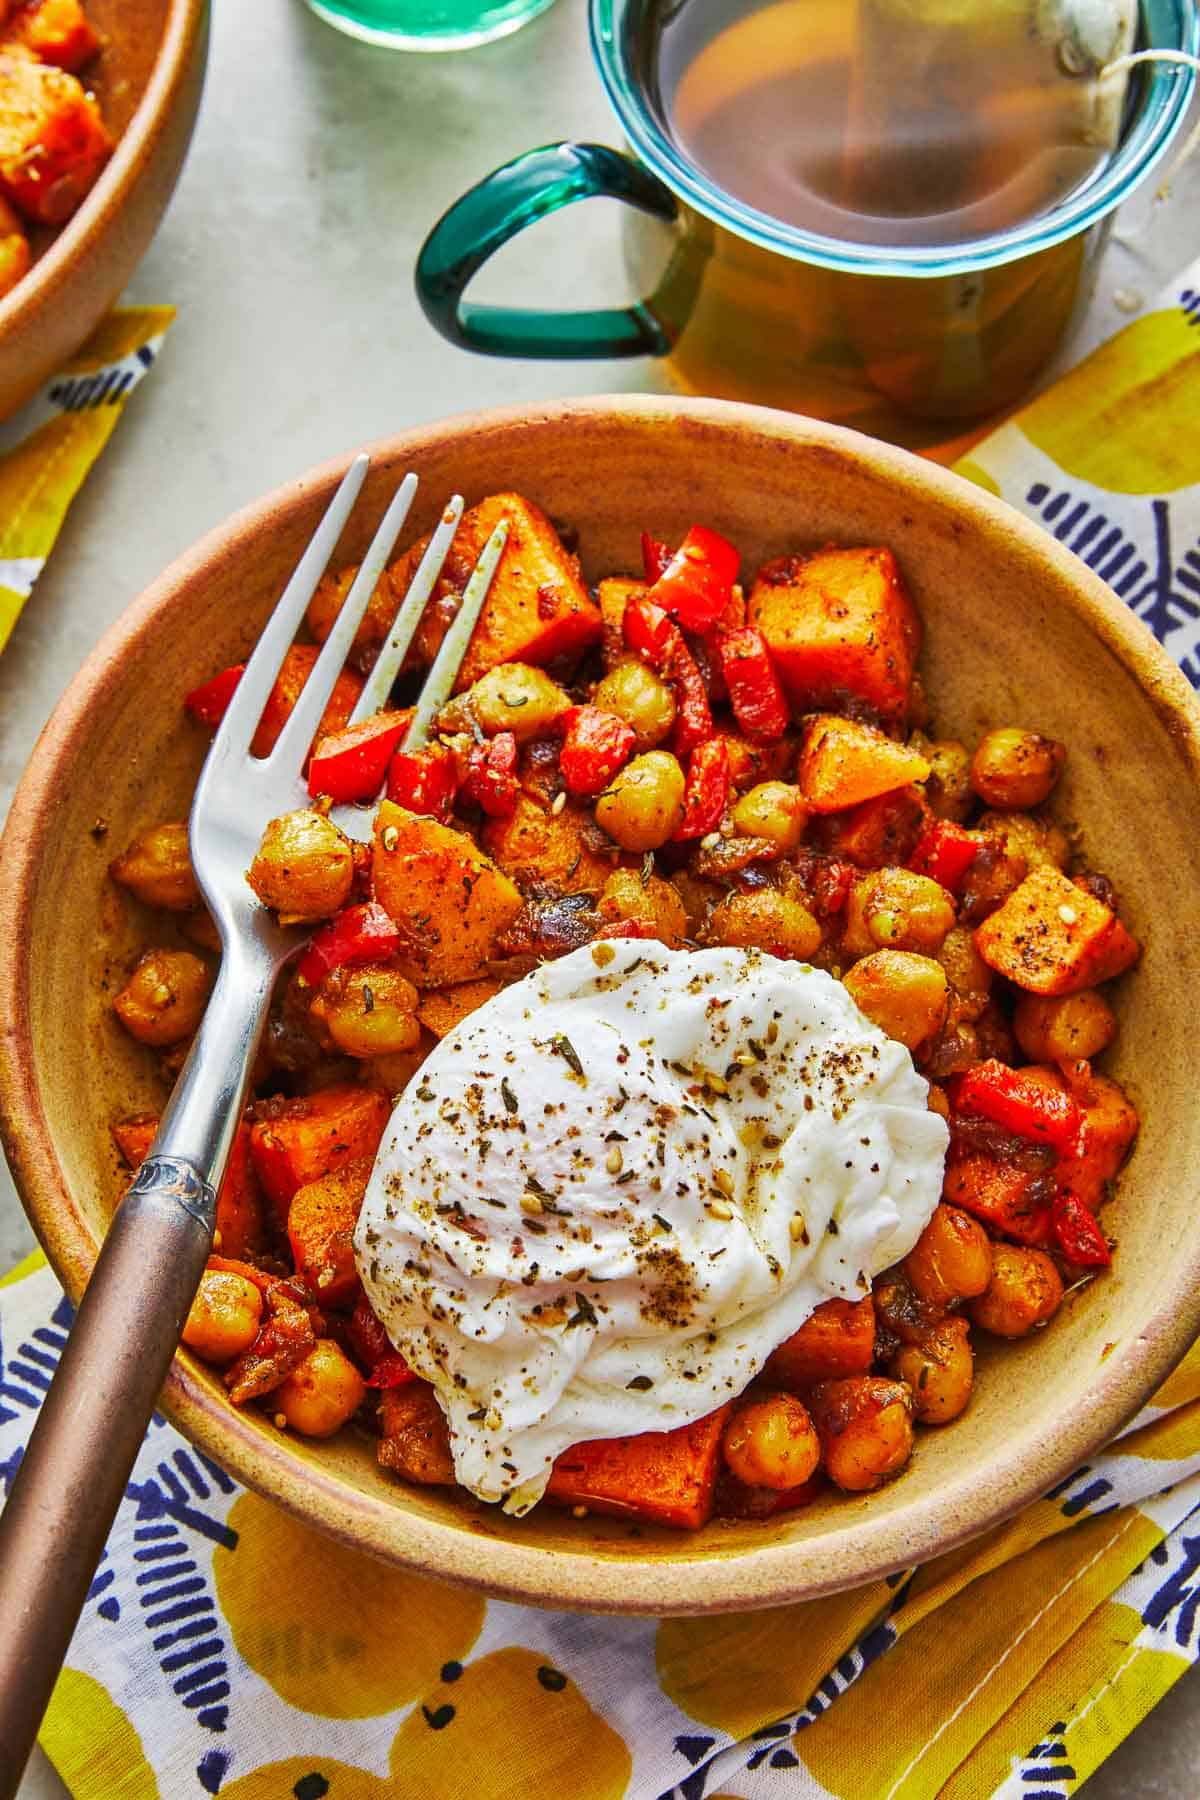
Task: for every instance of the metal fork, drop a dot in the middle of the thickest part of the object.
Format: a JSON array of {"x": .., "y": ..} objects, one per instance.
[{"x": 94, "y": 1417}]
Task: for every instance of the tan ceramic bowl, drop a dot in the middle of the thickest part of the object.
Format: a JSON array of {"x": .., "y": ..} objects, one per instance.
[
  {"x": 1017, "y": 631},
  {"x": 148, "y": 78}
]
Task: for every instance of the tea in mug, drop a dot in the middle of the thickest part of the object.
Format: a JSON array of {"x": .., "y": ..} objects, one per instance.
[{"x": 888, "y": 122}]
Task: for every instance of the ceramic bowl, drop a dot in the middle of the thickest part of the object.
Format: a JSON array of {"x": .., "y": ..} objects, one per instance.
[
  {"x": 147, "y": 78},
  {"x": 1017, "y": 631}
]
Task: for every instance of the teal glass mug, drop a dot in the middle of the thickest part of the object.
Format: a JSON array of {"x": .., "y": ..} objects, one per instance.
[{"x": 909, "y": 342}]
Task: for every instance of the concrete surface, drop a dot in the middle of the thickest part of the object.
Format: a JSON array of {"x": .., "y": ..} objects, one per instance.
[{"x": 298, "y": 336}]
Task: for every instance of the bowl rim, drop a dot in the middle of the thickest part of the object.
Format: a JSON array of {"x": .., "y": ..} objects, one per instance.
[
  {"x": 57, "y": 265},
  {"x": 848, "y": 1554}
]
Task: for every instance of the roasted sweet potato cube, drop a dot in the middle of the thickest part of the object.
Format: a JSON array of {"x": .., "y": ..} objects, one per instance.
[
  {"x": 445, "y": 1008},
  {"x": 665, "y": 1477},
  {"x": 535, "y": 845},
  {"x": 298, "y": 1141},
  {"x": 839, "y": 623},
  {"x": 448, "y": 899},
  {"x": 751, "y": 763},
  {"x": 239, "y": 1198},
  {"x": 1052, "y": 937},
  {"x": 321, "y": 1221},
  {"x": 1011, "y": 1201},
  {"x": 294, "y": 671},
  {"x": 56, "y": 31},
  {"x": 879, "y": 833},
  {"x": 837, "y": 1339},
  {"x": 1110, "y": 1124},
  {"x": 415, "y": 1442},
  {"x": 843, "y": 763},
  {"x": 53, "y": 142}
]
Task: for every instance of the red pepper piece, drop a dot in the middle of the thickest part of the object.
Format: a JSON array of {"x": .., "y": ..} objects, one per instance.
[
  {"x": 368, "y": 1340},
  {"x": 695, "y": 585},
  {"x": 693, "y": 715},
  {"x": 390, "y": 1371},
  {"x": 350, "y": 765},
  {"x": 656, "y": 557},
  {"x": 595, "y": 745},
  {"x": 491, "y": 782},
  {"x": 650, "y": 634},
  {"x": 1077, "y": 1233},
  {"x": 360, "y": 934},
  {"x": 425, "y": 781},
  {"x": 754, "y": 691},
  {"x": 944, "y": 851},
  {"x": 209, "y": 702},
  {"x": 706, "y": 790},
  {"x": 1044, "y": 1115},
  {"x": 627, "y": 928}
]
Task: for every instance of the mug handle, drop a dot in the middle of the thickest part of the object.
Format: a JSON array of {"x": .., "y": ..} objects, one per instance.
[{"x": 504, "y": 203}]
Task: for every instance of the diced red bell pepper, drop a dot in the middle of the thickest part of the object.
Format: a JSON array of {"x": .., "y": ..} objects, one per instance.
[
  {"x": 649, "y": 633},
  {"x": 1077, "y": 1233},
  {"x": 1043, "y": 1115},
  {"x": 627, "y": 928},
  {"x": 706, "y": 790},
  {"x": 385, "y": 1366},
  {"x": 350, "y": 765},
  {"x": 944, "y": 851},
  {"x": 360, "y": 934},
  {"x": 596, "y": 744},
  {"x": 754, "y": 691},
  {"x": 424, "y": 781},
  {"x": 491, "y": 782},
  {"x": 391, "y": 1371},
  {"x": 695, "y": 585},
  {"x": 210, "y": 701},
  {"x": 656, "y": 557}
]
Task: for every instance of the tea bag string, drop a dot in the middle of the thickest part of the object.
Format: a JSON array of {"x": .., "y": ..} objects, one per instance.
[{"x": 1182, "y": 59}]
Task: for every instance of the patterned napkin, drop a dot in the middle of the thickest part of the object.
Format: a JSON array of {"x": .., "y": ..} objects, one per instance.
[
  {"x": 227, "y": 1649},
  {"x": 48, "y": 447}
]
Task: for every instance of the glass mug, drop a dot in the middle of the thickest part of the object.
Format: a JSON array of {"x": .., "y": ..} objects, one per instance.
[
  {"x": 908, "y": 342},
  {"x": 428, "y": 24}
]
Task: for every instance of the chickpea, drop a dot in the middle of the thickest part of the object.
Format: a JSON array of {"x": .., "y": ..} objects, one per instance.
[
  {"x": 939, "y": 1369},
  {"x": 304, "y": 867},
  {"x": 771, "y": 1442},
  {"x": 644, "y": 805},
  {"x": 907, "y": 996},
  {"x": 640, "y": 697},
  {"x": 774, "y": 810},
  {"x": 904, "y": 911},
  {"x": 1064, "y": 1028},
  {"x": 765, "y": 919},
  {"x": 952, "y": 1258},
  {"x": 1016, "y": 769},
  {"x": 164, "y": 999},
  {"x": 368, "y": 1011},
  {"x": 319, "y": 1396},
  {"x": 517, "y": 697},
  {"x": 224, "y": 1317},
  {"x": 157, "y": 867},
  {"x": 1025, "y": 1290},
  {"x": 865, "y": 1427},
  {"x": 652, "y": 902},
  {"x": 966, "y": 972},
  {"x": 947, "y": 787},
  {"x": 1039, "y": 841}
]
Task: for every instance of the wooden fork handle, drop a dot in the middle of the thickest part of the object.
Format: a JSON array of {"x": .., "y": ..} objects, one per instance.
[{"x": 84, "y": 1445}]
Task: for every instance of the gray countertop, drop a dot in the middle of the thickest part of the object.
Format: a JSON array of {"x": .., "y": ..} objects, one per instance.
[{"x": 318, "y": 165}]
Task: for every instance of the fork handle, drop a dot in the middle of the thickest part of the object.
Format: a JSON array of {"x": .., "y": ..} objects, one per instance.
[{"x": 93, "y": 1420}]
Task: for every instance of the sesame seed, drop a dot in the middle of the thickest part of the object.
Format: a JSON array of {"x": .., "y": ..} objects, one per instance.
[
  {"x": 557, "y": 804},
  {"x": 796, "y": 1229},
  {"x": 724, "y": 1180},
  {"x": 720, "y": 1209},
  {"x": 613, "y": 1160},
  {"x": 161, "y": 995},
  {"x": 772, "y": 1032},
  {"x": 1068, "y": 915},
  {"x": 389, "y": 837}
]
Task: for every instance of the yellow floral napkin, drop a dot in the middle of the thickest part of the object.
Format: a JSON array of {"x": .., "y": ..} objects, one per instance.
[
  {"x": 226, "y": 1649},
  {"x": 48, "y": 447}
]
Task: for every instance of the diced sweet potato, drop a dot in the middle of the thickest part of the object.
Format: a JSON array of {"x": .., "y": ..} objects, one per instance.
[
  {"x": 665, "y": 1477},
  {"x": 448, "y": 899},
  {"x": 751, "y": 763},
  {"x": 321, "y": 1221},
  {"x": 536, "y": 845},
  {"x": 294, "y": 671},
  {"x": 843, "y": 763},
  {"x": 614, "y": 594},
  {"x": 1110, "y": 1124},
  {"x": 301, "y": 1140},
  {"x": 239, "y": 1199},
  {"x": 838, "y": 623},
  {"x": 1051, "y": 936},
  {"x": 442, "y": 1010},
  {"x": 415, "y": 1442},
  {"x": 53, "y": 142},
  {"x": 838, "y": 1339},
  {"x": 1009, "y": 1200},
  {"x": 879, "y": 833},
  {"x": 56, "y": 31}
]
